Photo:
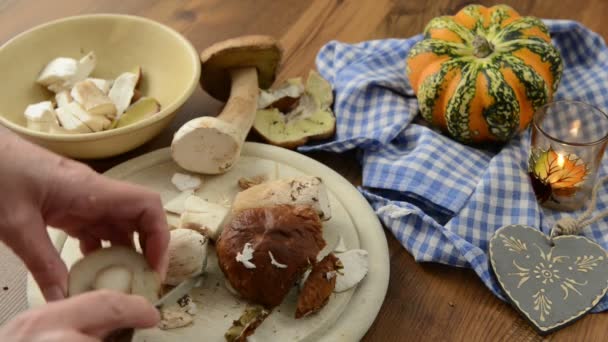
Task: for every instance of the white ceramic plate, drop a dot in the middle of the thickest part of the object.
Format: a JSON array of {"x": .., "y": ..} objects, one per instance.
[{"x": 346, "y": 317}]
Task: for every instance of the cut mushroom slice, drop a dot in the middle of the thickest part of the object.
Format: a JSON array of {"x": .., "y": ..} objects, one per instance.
[
  {"x": 101, "y": 84},
  {"x": 122, "y": 91},
  {"x": 246, "y": 325},
  {"x": 203, "y": 217},
  {"x": 69, "y": 122},
  {"x": 173, "y": 221},
  {"x": 95, "y": 123},
  {"x": 93, "y": 100},
  {"x": 187, "y": 255},
  {"x": 63, "y": 98},
  {"x": 184, "y": 182},
  {"x": 312, "y": 118},
  {"x": 58, "y": 71},
  {"x": 355, "y": 265},
  {"x": 177, "y": 205},
  {"x": 317, "y": 288},
  {"x": 116, "y": 267},
  {"x": 86, "y": 65},
  {"x": 232, "y": 70},
  {"x": 41, "y": 116},
  {"x": 304, "y": 190},
  {"x": 142, "y": 109}
]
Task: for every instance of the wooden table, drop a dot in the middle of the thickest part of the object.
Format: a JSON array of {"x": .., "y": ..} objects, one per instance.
[{"x": 424, "y": 302}]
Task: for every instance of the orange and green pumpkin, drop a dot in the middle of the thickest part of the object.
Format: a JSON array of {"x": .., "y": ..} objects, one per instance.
[{"x": 480, "y": 75}]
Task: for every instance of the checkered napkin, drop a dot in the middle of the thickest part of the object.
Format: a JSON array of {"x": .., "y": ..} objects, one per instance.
[{"x": 443, "y": 200}]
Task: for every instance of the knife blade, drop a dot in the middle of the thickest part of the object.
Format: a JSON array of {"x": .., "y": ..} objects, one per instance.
[{"x": 180, "y": 290}]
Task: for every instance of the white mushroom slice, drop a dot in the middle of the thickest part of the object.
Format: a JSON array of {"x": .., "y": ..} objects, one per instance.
[
  {"x": 187, "y": 255},
  {"x": 41, "y": 117},
  {"x": 340, "y": 246},
  {"x": 122, "y": 91},
  {"x": 177, "y": 205},
  {"x": 117, "y": 278},
  {"x": 304, "y": 190},
  {"x": 63, "y": 98},
  {"x": 355, "y": 266},
  {"x": 69, "y": 122},
  {"x": 245, "y": 256},
  {"x": 95, "y": 123},
  {"x": 40, "y": 112},
  {"x": 174, "y": 317},
  {"x": 106, "y": 264},
  {"x": 86, "y": 65},
  {"x": 274, "y": 262},
  {"x": 93, "y": 100},
  {"x": 101, "y": 84},
  {"x": 58, "y": 71},
  {"x": 173, "y": 221},
  {"x": 185, "y": 182},
  {"x": 208, "y": 224}
]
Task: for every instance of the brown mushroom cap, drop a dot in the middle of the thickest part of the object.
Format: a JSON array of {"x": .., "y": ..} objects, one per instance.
[
  {"x": 293, "y": 234},
  {"x": 261, "y": 52}
]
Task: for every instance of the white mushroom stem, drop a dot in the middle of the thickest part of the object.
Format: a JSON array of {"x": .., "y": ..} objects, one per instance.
[
  {"x": 242, "y": 105},
  {"x": 213, "y": 145}
]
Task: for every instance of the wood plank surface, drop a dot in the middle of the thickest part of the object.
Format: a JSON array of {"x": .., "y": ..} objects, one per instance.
[{"x": 424, "y": 302}]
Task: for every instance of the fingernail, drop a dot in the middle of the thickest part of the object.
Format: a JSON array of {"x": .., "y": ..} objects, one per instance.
[{"x": 53, "y": 293}]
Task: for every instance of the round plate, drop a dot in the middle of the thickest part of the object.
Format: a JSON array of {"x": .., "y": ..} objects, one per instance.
[{"x": 346, "y": 317}]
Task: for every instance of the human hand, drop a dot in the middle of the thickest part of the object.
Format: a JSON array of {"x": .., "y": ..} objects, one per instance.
[
  {"x": 41, "y": 188},
  {"x": 84, "y": 318}
]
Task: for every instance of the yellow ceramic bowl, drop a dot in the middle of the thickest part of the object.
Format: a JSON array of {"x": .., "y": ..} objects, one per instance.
[{"x": 171, "y": 70}]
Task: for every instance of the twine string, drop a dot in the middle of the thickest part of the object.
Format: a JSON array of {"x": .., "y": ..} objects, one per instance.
[{"x": 573, "y": 226}]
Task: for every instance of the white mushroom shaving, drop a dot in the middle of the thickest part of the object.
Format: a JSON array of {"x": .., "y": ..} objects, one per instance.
[
  {"x": 274, "y": 262},
  {"x": 187, "y": 255},
  {"x": 185, "y": 182},
  {"x": 122, "y": 91},
  {"x": 86, "y": 65},
  {"x": 177, "y": 205},
  {"x": 245, "y": 256},
  {"x": 340, "y": 246},
  {"x": 292, "y": 88},
  {"x": 355, "y": 267},
  {"x": 304, "y": 190}
]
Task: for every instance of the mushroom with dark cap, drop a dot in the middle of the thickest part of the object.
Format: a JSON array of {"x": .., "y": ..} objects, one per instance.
[{"x": 232, "y": 70}]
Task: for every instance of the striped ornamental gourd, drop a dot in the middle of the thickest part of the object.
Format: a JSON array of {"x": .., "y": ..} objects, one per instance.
[{"x": 480, "y": 75}]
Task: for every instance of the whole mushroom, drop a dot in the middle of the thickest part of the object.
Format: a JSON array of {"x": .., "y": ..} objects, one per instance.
[{"x": 232, "y": 70}]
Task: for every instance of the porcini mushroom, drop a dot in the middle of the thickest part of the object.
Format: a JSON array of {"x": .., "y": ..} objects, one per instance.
[{"x": 232, "y": 70}]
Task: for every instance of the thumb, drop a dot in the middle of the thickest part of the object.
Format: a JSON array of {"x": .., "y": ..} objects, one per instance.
[{"x": 34, "y": 246}]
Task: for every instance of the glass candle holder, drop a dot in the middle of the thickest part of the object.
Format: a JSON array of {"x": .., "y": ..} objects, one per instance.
[{"x": 567, "y": 145}]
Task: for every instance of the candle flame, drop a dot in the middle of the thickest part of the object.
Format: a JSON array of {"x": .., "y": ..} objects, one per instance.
[
  {"x": 574, "y": 128},
  {"x": 560, "y": 160}
]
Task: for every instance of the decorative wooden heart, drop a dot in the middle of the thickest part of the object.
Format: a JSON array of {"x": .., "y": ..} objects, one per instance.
[{"x": 551, "y": 285}]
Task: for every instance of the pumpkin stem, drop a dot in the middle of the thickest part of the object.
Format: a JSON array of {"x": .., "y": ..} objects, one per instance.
[{"x": 482, "y": 47}]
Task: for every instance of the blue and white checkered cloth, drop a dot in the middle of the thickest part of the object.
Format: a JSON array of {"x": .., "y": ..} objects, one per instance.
[{"x": 443, "y": 200}]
